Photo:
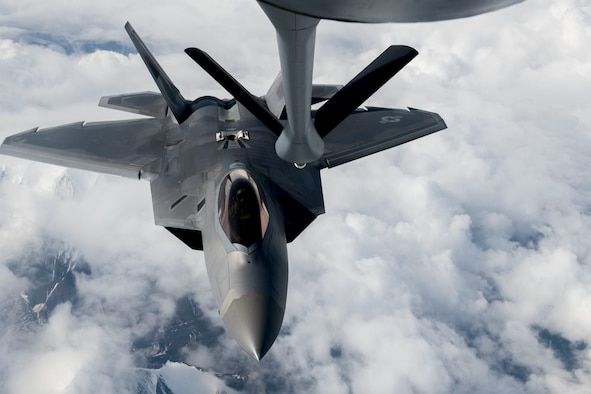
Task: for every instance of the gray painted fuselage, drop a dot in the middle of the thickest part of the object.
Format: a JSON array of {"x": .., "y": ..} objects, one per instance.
[
  {"x": 248, "y": 276},
  {"x": 232, "y": 165}
]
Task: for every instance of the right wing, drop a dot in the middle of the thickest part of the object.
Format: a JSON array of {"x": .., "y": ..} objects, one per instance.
[
  {"x": 365, "y": 132},
  {"x": 130, "y": 148}
]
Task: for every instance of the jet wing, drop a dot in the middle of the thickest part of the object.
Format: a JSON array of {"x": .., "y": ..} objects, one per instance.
[
  {"x": 128, "y": 148},
  {"x": 365, "y": 132}
]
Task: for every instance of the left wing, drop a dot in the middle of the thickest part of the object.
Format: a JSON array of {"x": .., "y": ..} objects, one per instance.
[
  {"x": 130, "y": 148},
  {"x": 365, "y": 132}
]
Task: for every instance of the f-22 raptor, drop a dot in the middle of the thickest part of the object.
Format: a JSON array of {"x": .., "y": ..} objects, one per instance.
[{"x": 222, "y": 172}]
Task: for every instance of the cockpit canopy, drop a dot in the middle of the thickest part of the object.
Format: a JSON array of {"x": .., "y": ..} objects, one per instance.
[{"x": 243, "y": 215}]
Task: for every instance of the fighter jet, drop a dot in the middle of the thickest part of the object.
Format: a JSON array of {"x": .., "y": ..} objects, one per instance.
[{"x": 222, "y": 171}]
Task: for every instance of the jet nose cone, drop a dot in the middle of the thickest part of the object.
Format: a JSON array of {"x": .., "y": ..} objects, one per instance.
[{"x": 254, "y": 320}]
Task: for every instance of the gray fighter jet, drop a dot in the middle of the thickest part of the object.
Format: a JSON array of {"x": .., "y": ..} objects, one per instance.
[{"x": 223, "y": 180}]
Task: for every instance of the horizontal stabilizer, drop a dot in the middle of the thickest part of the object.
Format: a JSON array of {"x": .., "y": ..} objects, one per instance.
[
  {"x": 360, "y": 88},
  {"x": 144, "y": 103},
  {"x": 180, "y": 107},
  {"x": 253, "y": 104}
]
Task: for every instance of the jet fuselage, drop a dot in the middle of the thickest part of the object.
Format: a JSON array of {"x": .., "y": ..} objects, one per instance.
[
  {"x": 246, "y": 255},
  {"x": 225, "y": 178}
]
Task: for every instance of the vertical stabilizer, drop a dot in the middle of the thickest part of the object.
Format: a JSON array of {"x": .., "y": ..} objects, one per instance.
[
  {"x": 234, "y": 87},
  {"x": 360, "y": 88},
  {"x": 180, "y": 107}
]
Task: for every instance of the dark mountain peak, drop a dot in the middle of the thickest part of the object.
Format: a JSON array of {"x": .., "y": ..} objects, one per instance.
[{"x": 51, "y": 274}]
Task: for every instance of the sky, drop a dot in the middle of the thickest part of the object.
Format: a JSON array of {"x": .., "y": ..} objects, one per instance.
[{"x": 458, "y": 263}]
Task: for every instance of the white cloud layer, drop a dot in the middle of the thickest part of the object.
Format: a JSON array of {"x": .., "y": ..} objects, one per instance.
[{"x": 457, "y": 263}]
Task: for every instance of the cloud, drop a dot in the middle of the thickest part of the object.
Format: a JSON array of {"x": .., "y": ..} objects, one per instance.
[
  {"x": 456, "y": 263},
  {"x": 69, "y": 355}
]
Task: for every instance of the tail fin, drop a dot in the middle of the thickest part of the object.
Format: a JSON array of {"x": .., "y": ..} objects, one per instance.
[
  {"x": 253, "y": 104},
  {"x": 360, "y": 88},
  {"x": 180, "y": 107}
]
